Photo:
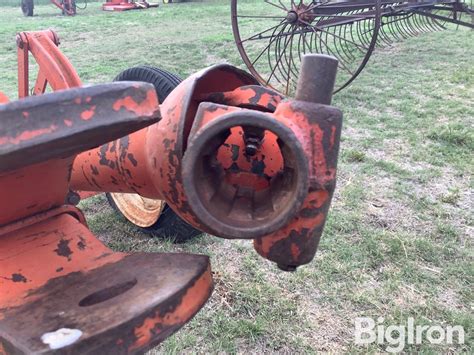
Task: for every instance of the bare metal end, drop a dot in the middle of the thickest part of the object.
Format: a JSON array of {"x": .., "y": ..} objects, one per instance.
[{"x": 317, "y": 78}]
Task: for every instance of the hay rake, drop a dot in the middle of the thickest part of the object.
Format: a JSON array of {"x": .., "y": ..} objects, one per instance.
[{"x": 272, "y": 35}]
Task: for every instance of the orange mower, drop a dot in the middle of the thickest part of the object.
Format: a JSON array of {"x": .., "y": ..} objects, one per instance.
[{"x": 228, "y": 156}]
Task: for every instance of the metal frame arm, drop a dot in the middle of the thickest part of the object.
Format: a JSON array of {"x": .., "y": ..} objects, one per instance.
[{"x": 54, "y": 67}]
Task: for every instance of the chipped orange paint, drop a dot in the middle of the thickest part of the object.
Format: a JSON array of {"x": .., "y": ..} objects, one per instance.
[
  {"x": 306, "y": 228},
  {"x": 88, "y": 114},
  {"x": 295, "y": 251},
  {"x": 51, "y": 248},
  {"x": 40, "y": 238},
  {"x": 148, "y": 106},
  {"x": 253, "y": 95},
  {"x": 333, "y": 137},
  {"x": 26, "y": 135},
  {"x": 159, "y": 152},
  {"x": 119, "y": 166},
  {"x": 188, "y": 305},
  {"x": 296, "y": 224}
]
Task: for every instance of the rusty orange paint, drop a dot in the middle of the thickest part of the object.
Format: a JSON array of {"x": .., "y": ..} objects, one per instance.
[
  {"x": 188, "y": 306},
  {"x": 24, "y": 136},
  {"x": 140, "y": 108},
  {"x": 190, "y": 108},
  {"x": 88, "y": 114},
  {"x": 265, "y": 244},
  {"x": 41, "y": 239},
  {"x": 50, "y": 248},
  {"x": 306, "y": 228},
  {"x": 157, "y": 150}
]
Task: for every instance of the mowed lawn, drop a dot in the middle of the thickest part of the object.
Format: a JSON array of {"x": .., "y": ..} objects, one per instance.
[{"x": 399, "y": 239}]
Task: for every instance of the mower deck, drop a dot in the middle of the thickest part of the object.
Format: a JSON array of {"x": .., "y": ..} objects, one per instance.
[{"x": 127, "y": 5}]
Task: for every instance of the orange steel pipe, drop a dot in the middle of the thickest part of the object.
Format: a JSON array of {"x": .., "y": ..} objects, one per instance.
[
  {"x": 226, "y": 147},
  {"x": 298, "y": 177}
]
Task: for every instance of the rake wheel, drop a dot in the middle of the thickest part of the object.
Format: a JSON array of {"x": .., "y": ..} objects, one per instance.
[{"x": 272, "y": 36}]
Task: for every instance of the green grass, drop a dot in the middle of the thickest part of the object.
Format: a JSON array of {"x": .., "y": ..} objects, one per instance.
[{"x": 398, "y": 242}]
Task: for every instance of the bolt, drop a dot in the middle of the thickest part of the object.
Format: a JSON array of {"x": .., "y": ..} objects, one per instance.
[
  {"x": 292, "y": 17},
  {"x": 253, "y": 140},
  {"x": 73, "y": 198},
  {"x": 251, "y": 149}
]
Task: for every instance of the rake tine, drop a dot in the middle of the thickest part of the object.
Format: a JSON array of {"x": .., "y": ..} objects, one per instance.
[
  {"x": 394, "y": 31},
  {"x": 401, "y": 27},
  {"x": 345, "y": 46},
  {"x": 423, "y": 23},
  {"x": 338, "y": 43},
  {"x": 419, "y": 22},
  {"x": 411, "y": 28},
  {"x": 383, "y": 36},
  {"x": 361, "y": 34}
]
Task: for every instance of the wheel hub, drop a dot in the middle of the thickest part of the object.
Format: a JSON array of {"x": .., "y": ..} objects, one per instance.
[{"x": 301, "y": 14}]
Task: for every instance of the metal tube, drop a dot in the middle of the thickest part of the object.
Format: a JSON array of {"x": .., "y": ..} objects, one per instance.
[{"x": 317, "y": 78}]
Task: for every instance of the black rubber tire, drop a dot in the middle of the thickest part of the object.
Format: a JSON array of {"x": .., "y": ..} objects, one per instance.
[
  {"x": 27, "y": 7},
  {"x": 169, "y": 224}
]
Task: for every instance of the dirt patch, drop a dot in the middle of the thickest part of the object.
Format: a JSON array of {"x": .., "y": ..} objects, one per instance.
[
  {"x": 449, "y": 299},
  {"x": 329, "y": 330}
]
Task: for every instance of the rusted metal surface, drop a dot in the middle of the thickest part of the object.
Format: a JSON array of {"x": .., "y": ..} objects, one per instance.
[
  {"x": 315, "y": 125},
  {"x": 234, "y": 159},
  {"x": 82, "y": 110},
  {"x": 272, "y": 38},
  {"x": 126, "y": 5},
  {"x": 263, "y": 154},
  {"x": 230, "y": 157},
  {"x": 244, "y": 200},
  {"x": 60, "y": 287},
  {"x": 148, "y": 162}
]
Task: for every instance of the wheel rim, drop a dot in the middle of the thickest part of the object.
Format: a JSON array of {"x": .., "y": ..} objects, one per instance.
[
  {"x": 272, "y": 38},
  {"x": 141, "y": 211}
]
